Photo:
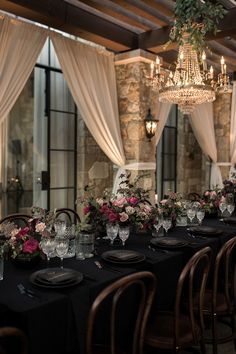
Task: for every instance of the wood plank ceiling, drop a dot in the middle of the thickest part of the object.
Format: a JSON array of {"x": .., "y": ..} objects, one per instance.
[{"x": 126, "y": 25}]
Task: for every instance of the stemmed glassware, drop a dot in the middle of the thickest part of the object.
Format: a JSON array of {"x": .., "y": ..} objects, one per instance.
[
  {"x": 158, "y": 223},
  {"x": 200, "y": 215},
  {"x": 62, "y": 245},
  {"x": 60, "y": 227},
  {"x": 112, "y": 231},
  {"x": 48, "y": 245},
  {"x": 124, "y": 233},
  {"x": 191, "y": 213},
  {"x": 167, "y": 222},
  {"x": 222, "y": 207},
  {"x": 230, "y": 208}
]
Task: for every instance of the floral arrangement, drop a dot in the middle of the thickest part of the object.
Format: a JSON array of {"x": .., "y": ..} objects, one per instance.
[
  {"x": 172, "y": 205},
  {"x": 211, "y": 200},
  {"x": 24, "y": 242},
  {"x": 129, "y": 207}
]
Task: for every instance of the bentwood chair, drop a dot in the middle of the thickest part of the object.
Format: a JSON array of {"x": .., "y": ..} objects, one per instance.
[
  {"x": 12, "y": 341},
  {"x": 182, "y": 327},
  {"x": 220, "y": 299},
  {"x": 124, "y": 306},
  {"x": 69, "y": 214},
  {"x": 19, "y": 219}
]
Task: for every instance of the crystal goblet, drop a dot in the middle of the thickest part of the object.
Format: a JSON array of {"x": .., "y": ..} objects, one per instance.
[{"x": 112, "y": 231}]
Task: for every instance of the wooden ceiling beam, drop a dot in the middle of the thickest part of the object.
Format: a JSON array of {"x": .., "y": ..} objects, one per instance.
[{"x": 68, "y": 18}]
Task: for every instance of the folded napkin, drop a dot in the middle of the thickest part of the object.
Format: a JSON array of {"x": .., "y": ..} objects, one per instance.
[
  {"x": 123, "y": 256},
  {"x": 57, "y": 277}
]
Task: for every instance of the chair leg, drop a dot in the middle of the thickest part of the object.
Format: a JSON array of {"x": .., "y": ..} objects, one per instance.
[
  {"x": 233, "y": 329},
  {"x": 214, "y": 334}
]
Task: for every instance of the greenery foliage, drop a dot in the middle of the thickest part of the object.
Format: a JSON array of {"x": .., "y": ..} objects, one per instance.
[{"x": 197, "y": 18}]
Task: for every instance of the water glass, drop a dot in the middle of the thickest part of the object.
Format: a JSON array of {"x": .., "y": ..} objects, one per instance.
[
  {"x": 158, "y": 224},
  {"x": 70, "y": 235},
  {"x": 222, "y": 207},
  {"x": 112, "y": 231},
  {"x": 230, "y": 208},
  {"x": 200, "y": 215},
  {"x": 62, "y": 245},
  {"x": 48, "y": 245},
  {"x": 167, "y": 223},
  {"x": 60, "y": 227},
  {"x": 124, "y": 233},
  {"x": 85, "y": 245},
  {"x": 191, "y": 213}
]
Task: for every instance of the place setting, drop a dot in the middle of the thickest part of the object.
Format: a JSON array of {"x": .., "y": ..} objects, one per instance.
[{"x": 123, "y": 257}]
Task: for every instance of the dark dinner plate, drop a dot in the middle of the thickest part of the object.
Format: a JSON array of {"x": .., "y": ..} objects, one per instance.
[
  {"x": 123, "y": 256},
  {"x": 55, "y": 278},
  {"x": 230, "y": 220},
  {"x": 204, "y": 231},
  {"x": 168, "y": 242}
]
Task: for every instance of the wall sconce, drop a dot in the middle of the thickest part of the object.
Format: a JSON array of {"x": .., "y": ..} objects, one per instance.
[{"x": 150, "y": 125}]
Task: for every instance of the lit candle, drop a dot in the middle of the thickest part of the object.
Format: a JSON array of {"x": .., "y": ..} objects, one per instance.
[
  {"x": 156, "y": 199},
  {"x": 222, "y": 62},
  {"x": 158, "y": 65},
  {"x": 211, "y": 72},
  {"x": 224, "y": 68},
  {"x": 181, "y": 58},
  {"x": 152, "y": 67},
  {"x": 204, "y": 61}
]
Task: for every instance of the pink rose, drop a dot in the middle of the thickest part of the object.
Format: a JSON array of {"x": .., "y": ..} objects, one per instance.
[
  {"x": 119, "y": 202},
  {"x": 112, "y": 217},
  {"x": 213, "y": 194},
  {"x": 133, "y": 200},
  {"x": 163, "y": 201},
  {"x": 123, "y": 217},
  {"x": 30, "y": 246},
  {"x": 86, "y": 210},
  {"x": 104, "y": 209},
  {"x": 207, "y": 193}
]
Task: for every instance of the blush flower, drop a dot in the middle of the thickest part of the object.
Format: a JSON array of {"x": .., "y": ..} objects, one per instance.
[
  {"x": 119, "y": 202},
  {"x": 30, "y": 246},
  {"x": 40, "y": 227},
  {"x": 123, "y": 217}
]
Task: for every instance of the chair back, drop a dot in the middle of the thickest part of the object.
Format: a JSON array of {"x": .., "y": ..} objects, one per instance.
[
  {"x": 225, "y": 274},
  {"x": 20, "y": 220},
  {"x": 192, "y": 281},
  {"x": 68, "y": 215},
  {"x": 12, "y": 341},
  {"x": 142, "y": 286}
]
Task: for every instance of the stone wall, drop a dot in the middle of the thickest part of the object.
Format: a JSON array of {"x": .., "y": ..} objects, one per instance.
[
  {"x": 90, "y": 170},
  {"x": 222, "y": 109}
]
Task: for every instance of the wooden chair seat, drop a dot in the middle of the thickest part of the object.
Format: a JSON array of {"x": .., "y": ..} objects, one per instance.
[{"x": 160, "y": 331}]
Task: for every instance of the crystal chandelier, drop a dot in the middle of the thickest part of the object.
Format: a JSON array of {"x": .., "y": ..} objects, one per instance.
[{"x": 191, "y": 83}]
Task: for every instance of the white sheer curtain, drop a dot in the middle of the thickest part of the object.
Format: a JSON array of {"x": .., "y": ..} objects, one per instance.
[
  {"x": 20, "y": 45},
  {"x": 90, "y": 75},
  {"x": 203, "y": 128},
  {"x": 233, "y": 129},
  {"x": 162, "y": 114}
]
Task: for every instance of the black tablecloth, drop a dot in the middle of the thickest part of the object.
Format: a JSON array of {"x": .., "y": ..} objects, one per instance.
[{"x": 55, "y": 321}]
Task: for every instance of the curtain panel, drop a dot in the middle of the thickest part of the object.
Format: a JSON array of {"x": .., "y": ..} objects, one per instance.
[
  {"x": 20, "y": 45},
  {"x": 90, "y": 75},
  {"x": 233, "y": 126},
  {"x": 203, "y": 128}
]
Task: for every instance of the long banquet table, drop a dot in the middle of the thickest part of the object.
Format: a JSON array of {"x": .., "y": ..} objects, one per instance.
[{"x": 55, "y": 320}]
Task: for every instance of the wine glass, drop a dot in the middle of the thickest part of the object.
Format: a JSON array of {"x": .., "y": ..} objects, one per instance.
[
  {"x": 124, "y": 233},
  {"x": 167, "y": 222},
  {"x": 158, "y": 223},
  {"x": 191, "y": 213},
  {"x": 230, "y": 208},
  {"x": 200, "y": 215},
  {"x": 222, "y": 207},
  {"x": 60, "y": 227},
  {"x": 62, "y": 245},
  {"x": 47, "y": 245},
  {"x": 112, "y": 231}
]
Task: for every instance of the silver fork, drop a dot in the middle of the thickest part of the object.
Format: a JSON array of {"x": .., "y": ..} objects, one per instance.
[{"x": 106, "y": 267}]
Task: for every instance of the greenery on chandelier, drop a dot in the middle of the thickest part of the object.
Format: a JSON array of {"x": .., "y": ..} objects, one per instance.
[{"x": 197, "y": 18}]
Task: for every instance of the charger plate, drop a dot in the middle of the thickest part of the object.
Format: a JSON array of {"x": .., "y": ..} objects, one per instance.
[
  {"x": 56, "y": 278},
  {"x": 123, "y": 256},
  {"x": 168, "y": 242},
  {"x": 205, "y": 231},
  {"x": 230, "y": 220}
]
